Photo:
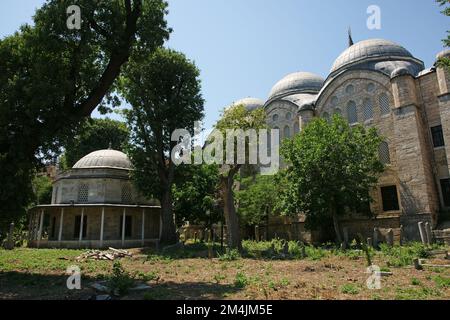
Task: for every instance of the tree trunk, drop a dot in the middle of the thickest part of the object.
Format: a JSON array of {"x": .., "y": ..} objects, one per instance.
[
  {"x": 231, "y": 218},
  {"x": 168, "y": 231},
  {"x": 337, "y": 229}
]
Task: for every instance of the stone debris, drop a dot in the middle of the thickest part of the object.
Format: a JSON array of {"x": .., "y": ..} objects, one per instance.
[
  {"x": 100, "y": 287},
  {"x": 111, "y": 254}
]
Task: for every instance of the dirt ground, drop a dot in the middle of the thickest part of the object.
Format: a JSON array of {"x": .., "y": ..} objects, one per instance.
[{"x": 40, "y": 274}]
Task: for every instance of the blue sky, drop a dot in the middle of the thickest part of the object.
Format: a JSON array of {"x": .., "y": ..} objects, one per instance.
[{"x": 243, "y": 47}]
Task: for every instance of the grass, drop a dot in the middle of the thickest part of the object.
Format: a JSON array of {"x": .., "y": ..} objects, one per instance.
[
  {"x": 263, "y": 271},
  {"x": 349, "y": 289}
]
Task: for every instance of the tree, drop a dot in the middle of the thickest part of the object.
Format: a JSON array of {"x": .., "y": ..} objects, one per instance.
[
  {"x": 52, "y": 77},
  {"x": 165, "y": 93},
  {"x": 445, "y": 61},
  {"x": 42, "y": 186},
  {"x": 194, "y": 194},
  {"x": 332, "y": 169},
  {"x": 257, "y": 198},
  {"x": 92, "y": 135},
  {"x": 236, "y": 117}
]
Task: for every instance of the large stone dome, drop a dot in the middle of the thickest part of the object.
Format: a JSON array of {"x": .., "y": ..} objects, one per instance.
[
  {"x": 104, "y": 159},
  {"x": 373, "y": 51},
  {"x": 294, "y": 83},
  {"x": 250, "y": 103}
]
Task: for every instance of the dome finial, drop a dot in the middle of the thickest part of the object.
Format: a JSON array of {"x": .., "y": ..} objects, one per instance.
[{"x": 350, "y": 39}]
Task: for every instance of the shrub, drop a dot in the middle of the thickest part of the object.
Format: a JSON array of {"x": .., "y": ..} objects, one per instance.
[
  {"x": 349, "y": 289},
  {"x": 230, "y": 255},
  {"x": 120, "y": 281},
  {"x": 241, "y": 280}
]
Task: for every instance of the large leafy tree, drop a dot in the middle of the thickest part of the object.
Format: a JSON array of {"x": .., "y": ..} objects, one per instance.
[
  {"x": 236, "y": 117},
  {"x": 332, "y": 169},
  {"x": 92, "y": 135},
  {"x": 52, "y": 77},
  {"x": 195, "y": 193},
  {"x": 165, "y": 93},
  {"x": 257, "y": 197},
  {"x": 445, "y": 61}
]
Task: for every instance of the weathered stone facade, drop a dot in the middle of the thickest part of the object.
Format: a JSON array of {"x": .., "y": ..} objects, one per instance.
[{"x": 380, "y": 84}]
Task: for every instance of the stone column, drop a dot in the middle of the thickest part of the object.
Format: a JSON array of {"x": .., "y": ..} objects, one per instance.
[
  {"x": 61, "y": 222},
  {"x": 375, "y": 237},
  {"x": 41, "y": 224},
  {"x": 123, "y": 226},
  {"x": 9, "y": 245},
  {"x": 102, "y": 227},
  {"x": 143, "y": 228},
  {"x": 345, "y": 232}
]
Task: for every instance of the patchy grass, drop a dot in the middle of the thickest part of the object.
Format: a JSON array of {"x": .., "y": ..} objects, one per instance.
[{"x": 264, "y": 271}]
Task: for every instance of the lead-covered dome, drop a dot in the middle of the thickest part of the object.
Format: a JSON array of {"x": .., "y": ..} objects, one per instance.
[
  {"x": 104, "y": 159},
  {"x": 250, "y": 103},
  {"x": 373, "y": 51},
  {"x": 295, "y": 83}
]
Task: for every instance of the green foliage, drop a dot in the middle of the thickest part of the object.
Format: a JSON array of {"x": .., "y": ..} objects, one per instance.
[
  {"x": 442, "y": 282},
  {"x": 120, "y": 281},
  {"x": 164, "y": 91},
  {"x": 194, "y": 194},
  {"x": 415, "y": 282},
  {"x": 445, "y": 62},
  {"x": 400, "y": 256},
  {"x": 230, "y": 255},
  {"x": 349, "y": 289},
  {"x": 42, "y": 186},
  {"x": 333, "y": 166},
  {"x": 51, "y": 78},
  {"x": 92, "y": 135},
  {"x": 257, "y": 197},
  {"x": 241, "y": 280}
]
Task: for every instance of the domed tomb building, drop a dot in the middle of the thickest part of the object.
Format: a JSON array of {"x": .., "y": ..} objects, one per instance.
[{"x": 95, "y": 205}]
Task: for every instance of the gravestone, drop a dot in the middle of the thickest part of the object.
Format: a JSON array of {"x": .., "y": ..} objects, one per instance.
[
  {"x": 345, "y": 231},
  {"x": 423, "y": 235},
  {"x": 369, "y": 242},
  {"x": 9, "y": 245},
  {"x": 375, "y": 237},
  {"x": 257, "y": 237},
  {"x": 390, "y": 237},
  {"x": 429, "y": 233}
]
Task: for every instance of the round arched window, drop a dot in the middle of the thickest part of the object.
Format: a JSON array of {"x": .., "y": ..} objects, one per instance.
[
  {"x": 352, "y": 114},
  {"x": 350, "y": 89},
  {"x": 275, "y": 117},
  {"x": 288, "y": 116}
]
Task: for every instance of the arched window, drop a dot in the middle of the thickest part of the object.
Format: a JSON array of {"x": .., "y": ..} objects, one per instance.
[
  {"x": 338, "y": 111},
  {"x": 287, "y": 132},
  {"x": 83, "y": 193},
  {"x": 350, "y": 89},
  {"x": 288, "y": 116},
  {"x": 352, "y": 114},
  {"x": 367, "y": 109},
  {"x": 275, "y": 117},
  {"x": 296, "y": 128},
  {"x": 384, "y": 104},
  {"x": 334, "y": 101},
  {"x": 127, "y": 196},
  {"x": 385, "y": 156}
]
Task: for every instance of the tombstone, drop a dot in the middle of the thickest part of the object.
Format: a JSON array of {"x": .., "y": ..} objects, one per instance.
[
  {"x": 9, "y": 245},
  {"x": 303, "y": 251},
  {"x": 257, "y": 236},
  {"x": 369, "y": 242},
  {"x": 423, "y": 234},
  {"x": 286, "y": 248},
  {"x": 375, "y": 237},
  {"x": 390, "y": 237},
  {"x": 429, "y": 233},
  {"x": 345, "y": 232},
  {"x": 195, "y": 237},
  {"x": 401, "y": 235}
]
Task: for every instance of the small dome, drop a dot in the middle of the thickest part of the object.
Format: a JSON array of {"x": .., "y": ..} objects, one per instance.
[
  {"x": 402, "y": 71},
  {"x": 294, "y": 83},
  {"x": 250, "y": 103},
  {"x": 373, "y": 49},
  {"x": 104, "y": 159}
]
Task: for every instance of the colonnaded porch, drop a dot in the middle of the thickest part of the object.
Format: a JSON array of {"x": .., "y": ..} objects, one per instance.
[{"x": 94, "y": 226}]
